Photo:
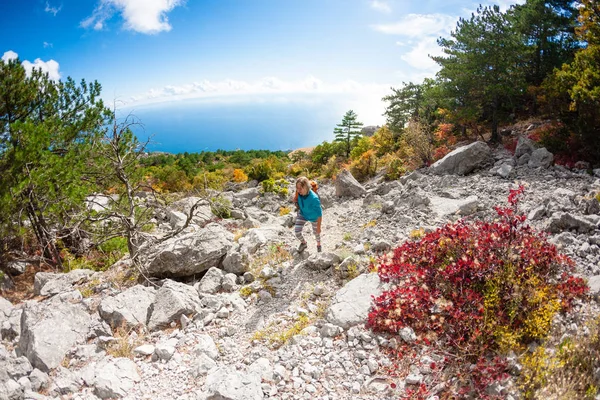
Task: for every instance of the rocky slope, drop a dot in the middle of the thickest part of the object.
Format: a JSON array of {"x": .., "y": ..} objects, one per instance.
[{"x": 237, "y": 313}]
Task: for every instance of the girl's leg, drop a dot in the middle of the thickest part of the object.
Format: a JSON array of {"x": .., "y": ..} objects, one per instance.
[
  {"x": 317, "y": 236},
  {"x": 298, "y": 225}
]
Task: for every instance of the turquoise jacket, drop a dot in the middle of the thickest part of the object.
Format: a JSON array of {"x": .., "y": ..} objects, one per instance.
[{"x": 310, "y": 206}]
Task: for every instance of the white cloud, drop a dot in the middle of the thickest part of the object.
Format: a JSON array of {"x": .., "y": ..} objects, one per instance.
[
  {"x": 419, "y": 25},
  {"x": 381, "y": 6},
  {"x": 9, "y": 55},
  {"x": 50, "y": 67},
  {"x": 418, "y": 40},
  {"x": 46, "y": 45},
  {"x": 364, "y": 98},
  {"x": 418, "y": 56},
  {"x": 144, "y": 16},
  {"x": 52, "y": 10},
  {"x": 505, "y": 4}
]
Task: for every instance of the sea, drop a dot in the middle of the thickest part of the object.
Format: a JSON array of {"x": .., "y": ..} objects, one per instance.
[{"x": 251, "y": 123}]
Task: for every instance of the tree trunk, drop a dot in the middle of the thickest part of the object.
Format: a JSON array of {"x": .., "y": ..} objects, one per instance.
[
  {"x": 495, "y": 137},
  {"x": 42, "y": 233}
]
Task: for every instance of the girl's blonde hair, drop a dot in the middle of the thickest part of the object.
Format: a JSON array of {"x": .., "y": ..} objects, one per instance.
[{"x": 303, "y": 181}]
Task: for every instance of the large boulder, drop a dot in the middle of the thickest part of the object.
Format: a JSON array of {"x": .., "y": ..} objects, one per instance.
[
  {"x": 129, "y": 308},
  {"x": 49, "y": 330},
  {"x": 173, "y": 300},
  {"x": 463, "y": 160},
  {"x": 524, "y": 146},
  {"x": 541, "y": 158},
  {"x": 561, "y": 221},
  {"x": 347, "y": 186},
  {"x": 10, "y": 320},
  {"x": 191, "y": 253},
  {"x": 444, "y": 207},
  {"x": 202, "y": 212},
  {"x": 351, "y": 304},
  {"x": 50, "y": 284},
  {"x": 256, "y": 238}
]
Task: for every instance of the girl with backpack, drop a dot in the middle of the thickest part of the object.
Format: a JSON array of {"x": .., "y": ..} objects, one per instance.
[{"x": 308, "y": 204}]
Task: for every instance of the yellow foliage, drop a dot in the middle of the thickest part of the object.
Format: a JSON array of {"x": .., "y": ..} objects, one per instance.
[
  {"x": 284, "y": 211},
  {"x": 370, "y": 224},
  {"x": 239, "y": 175},
  {"x": 364, "y": 166},
  {"x": 417, "y": 233}
]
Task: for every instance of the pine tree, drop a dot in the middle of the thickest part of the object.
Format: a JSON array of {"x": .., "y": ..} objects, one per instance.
[
  {"x": 47, "y": 131},
  {"x": 483, "y": 66},
  {"x": 347, "y": 130}
]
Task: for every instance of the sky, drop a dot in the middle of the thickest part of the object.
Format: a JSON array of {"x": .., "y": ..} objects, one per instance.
[{"x": 194, "y": 70}]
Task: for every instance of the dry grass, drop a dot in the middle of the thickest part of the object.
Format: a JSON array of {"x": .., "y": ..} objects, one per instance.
[{"x": 124, "y": 344}]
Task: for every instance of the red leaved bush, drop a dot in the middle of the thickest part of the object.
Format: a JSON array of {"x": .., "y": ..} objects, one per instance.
[{"x": 476, "y": 289}]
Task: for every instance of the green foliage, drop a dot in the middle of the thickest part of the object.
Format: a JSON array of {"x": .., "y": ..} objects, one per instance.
[
  {"x": 384, "y": 141},
  {"x": 210, "y": 180},
  {"x": 114, "y": 245},
  {"x": 547, "y": 27},
  {"x": 278, "y": 187},
  {"x": 365, "y": 166},
  {"x": 47, "y": 132},
  {"x": 361, "y": 145},
  {"x": 325, "y": 151},
  {"x": 347, "y": 130},
  {"x": 412, "y": 101},
  {"x": 266, "y": 168},
  {"x": 220, "y": 207},
  {"x": 482, "y": 69},
  {"x": 574, "y": 90}
]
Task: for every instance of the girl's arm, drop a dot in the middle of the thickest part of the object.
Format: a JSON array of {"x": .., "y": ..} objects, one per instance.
[{"x": 319, "y": 224}]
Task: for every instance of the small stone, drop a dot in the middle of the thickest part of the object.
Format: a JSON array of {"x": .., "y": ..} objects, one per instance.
[
  {"x": 414, "y": 379},
  {"x": 184, "y": 320},
  {"x": 144, "y": 350},
  {"x": 356, "y": 388},
  {"x": 319, "y": 290},
  {"x": 264, "y": 296},
  {"x": 408, "y": 335},
  {"x": 248, "y": 277}
]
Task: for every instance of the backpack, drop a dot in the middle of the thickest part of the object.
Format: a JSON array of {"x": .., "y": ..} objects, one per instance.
[{"x": 314, "y": 187}]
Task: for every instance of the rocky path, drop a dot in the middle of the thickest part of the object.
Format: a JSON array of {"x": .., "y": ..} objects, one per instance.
[{"x": 292, "y": 327}]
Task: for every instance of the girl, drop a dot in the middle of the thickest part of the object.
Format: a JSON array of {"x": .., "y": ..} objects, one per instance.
[{"x": 309, "y": 209}]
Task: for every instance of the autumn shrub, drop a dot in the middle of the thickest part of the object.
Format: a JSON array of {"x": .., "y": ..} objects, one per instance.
[
  {"x": 239, "y": 175},
  {"x": 299, "y": 168},
  {"x": 444, "y": 134},
  {"x": 440, "y": 152},
  {"x": 365, "y": 166},
  {"x": 476, "y": 289},
  {"x": 394, "y": 165},
  {"x": 419, "y": 137},
  {"x": 331, "y": 169}
]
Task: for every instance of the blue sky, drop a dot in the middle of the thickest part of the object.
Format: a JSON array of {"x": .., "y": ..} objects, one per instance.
[{"x": 156, "y": 54}]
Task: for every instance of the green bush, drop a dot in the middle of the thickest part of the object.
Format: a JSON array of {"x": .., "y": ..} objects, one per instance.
[
  {"x": 221, "y": 207},
  {"x": 273, "y": 186}
]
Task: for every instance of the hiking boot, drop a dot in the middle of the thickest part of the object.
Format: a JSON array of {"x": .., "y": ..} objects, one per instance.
[
  {"x": 302, "y": 247},
  {"x": 318, "y": 248}
]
